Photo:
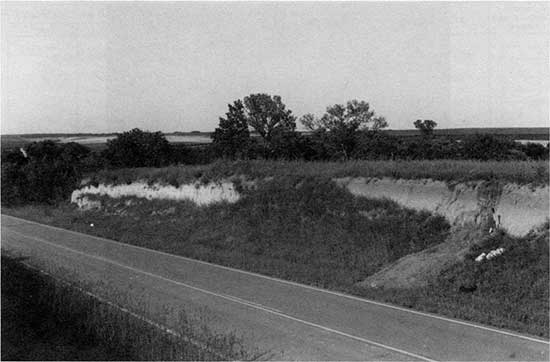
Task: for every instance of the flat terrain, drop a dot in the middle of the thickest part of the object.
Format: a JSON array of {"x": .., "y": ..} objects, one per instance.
[
  {"x": 525, "y": 134},
  {"x": 95, "y": 142},
  {"x": 290, "y": 320}
]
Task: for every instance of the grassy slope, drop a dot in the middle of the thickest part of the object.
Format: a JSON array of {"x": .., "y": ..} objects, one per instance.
[
  {"x": 510, "y": 291},
  {"x": 305, "y": 229},
  {"x": 521, "y": 172},
  {"x": 43, "y": 319}
]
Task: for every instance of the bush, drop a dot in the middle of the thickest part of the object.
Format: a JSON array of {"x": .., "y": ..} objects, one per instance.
[
  {"x": 376, "y": 146},
  {"x": 192, "y": 155},
  {"x": 487, "y": 147},
  {"x": 137, "y": 148},
  {"x": 535, "y": 151},
  {"x": 48, "y": 174}
]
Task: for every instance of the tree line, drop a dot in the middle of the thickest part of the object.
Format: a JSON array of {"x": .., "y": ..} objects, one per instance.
[
  {"x": 343, "y": 132},
  {"x": 258, "y": 127}
]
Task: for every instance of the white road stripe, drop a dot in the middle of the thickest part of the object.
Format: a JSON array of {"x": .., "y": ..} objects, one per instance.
[
  {"x": 228, "y": 297},
  {"x": 363, "y": 300}
]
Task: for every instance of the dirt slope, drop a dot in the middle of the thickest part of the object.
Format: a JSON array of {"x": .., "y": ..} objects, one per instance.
[{"x": 516, "y": 208}]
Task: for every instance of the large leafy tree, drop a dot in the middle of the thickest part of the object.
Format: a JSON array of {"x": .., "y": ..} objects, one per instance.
[
  {"x": 340, "y": 124},
  {"x": 268, "y": 115},
  {"x": 232, "y": 137}
]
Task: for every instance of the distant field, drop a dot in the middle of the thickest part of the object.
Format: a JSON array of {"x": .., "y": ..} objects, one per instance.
[
  {"x": 98, "y": 140},
  {"x": 95, "y": 142},
  {"x": 171, "y": 138},
  {"x": 13, "y": 141},
  {"x": 517, "y": 133}
]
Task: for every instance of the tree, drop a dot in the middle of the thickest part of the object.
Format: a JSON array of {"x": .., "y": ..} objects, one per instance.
[
  {"x": 340, "y": 125},
  {"x": 286, "y": 144},
  {"x": 136, "y": 148},
  {"x": 232, "y": 137},
  {"x": 425, "y": 127},
  {"x": 267, "y": 115},
  {"x": 49, "y": 172}
]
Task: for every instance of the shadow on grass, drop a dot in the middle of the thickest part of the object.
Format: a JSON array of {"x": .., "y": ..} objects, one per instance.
[{"x": 44, "y": 318}]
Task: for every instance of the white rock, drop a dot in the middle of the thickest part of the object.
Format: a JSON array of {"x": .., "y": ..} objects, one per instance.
[{"x": 480, "y": 257}]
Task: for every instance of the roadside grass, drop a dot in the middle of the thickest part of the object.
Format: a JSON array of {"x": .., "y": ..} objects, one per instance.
[
  {"x": 509, "y": 291},
  {"x": 300, "y": 228},
  {"x": 306, "y": 229},
  {"x": 452, "y": 171},
  {"x": 46, "y": 319}
]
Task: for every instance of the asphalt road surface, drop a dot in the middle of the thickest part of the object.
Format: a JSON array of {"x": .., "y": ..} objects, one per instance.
[{"x": 290, "y": 321}]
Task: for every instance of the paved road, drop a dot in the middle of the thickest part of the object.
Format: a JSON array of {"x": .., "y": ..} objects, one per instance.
[{"x": 292, "y": 321}]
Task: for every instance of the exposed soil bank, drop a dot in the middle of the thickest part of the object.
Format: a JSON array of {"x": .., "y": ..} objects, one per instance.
[
  {"x": 306, "y": 228},
  {"x": 515, "y": 208},
  {"x": 197, "y": 193}
]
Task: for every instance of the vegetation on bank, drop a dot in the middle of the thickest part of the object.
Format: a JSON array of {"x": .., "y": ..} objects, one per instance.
[
  {"x": 520, "y": 172},
  {"x": 45, "y": 319},
  {"x": 305, "y": 229},
  {"x": 508, "y": 291},
  {"x": 296, "y": 223},
  {"x": 47, "y": 172},
  {"x": 327, "y": 244}
]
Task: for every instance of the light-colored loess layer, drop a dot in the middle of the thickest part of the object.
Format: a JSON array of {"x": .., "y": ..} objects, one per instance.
[
  {"x": 85, "y": 203},
  {"x": 197, "y": 193},
  {"x": 521, "y": 208}
]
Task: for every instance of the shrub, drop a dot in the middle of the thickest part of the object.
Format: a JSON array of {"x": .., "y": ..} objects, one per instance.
[
  {"x": 48, "y": 174},
  {"x": 535, "y": 151},
  {"x": 488, "y": 147},
  {"x": 376, "y": 146},
  {"x": 137, "y": 148}
]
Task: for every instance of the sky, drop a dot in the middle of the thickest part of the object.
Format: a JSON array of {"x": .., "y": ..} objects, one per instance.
[{"x": 174, "y": 66}]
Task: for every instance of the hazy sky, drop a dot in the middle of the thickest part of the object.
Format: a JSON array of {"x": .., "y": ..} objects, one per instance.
[{"x": 103, "y": 67}]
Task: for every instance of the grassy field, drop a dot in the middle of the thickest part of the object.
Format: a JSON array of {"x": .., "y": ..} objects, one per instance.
[
  {"x": 45, "y": 319},
  {"x": 451, "y": 171}
]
